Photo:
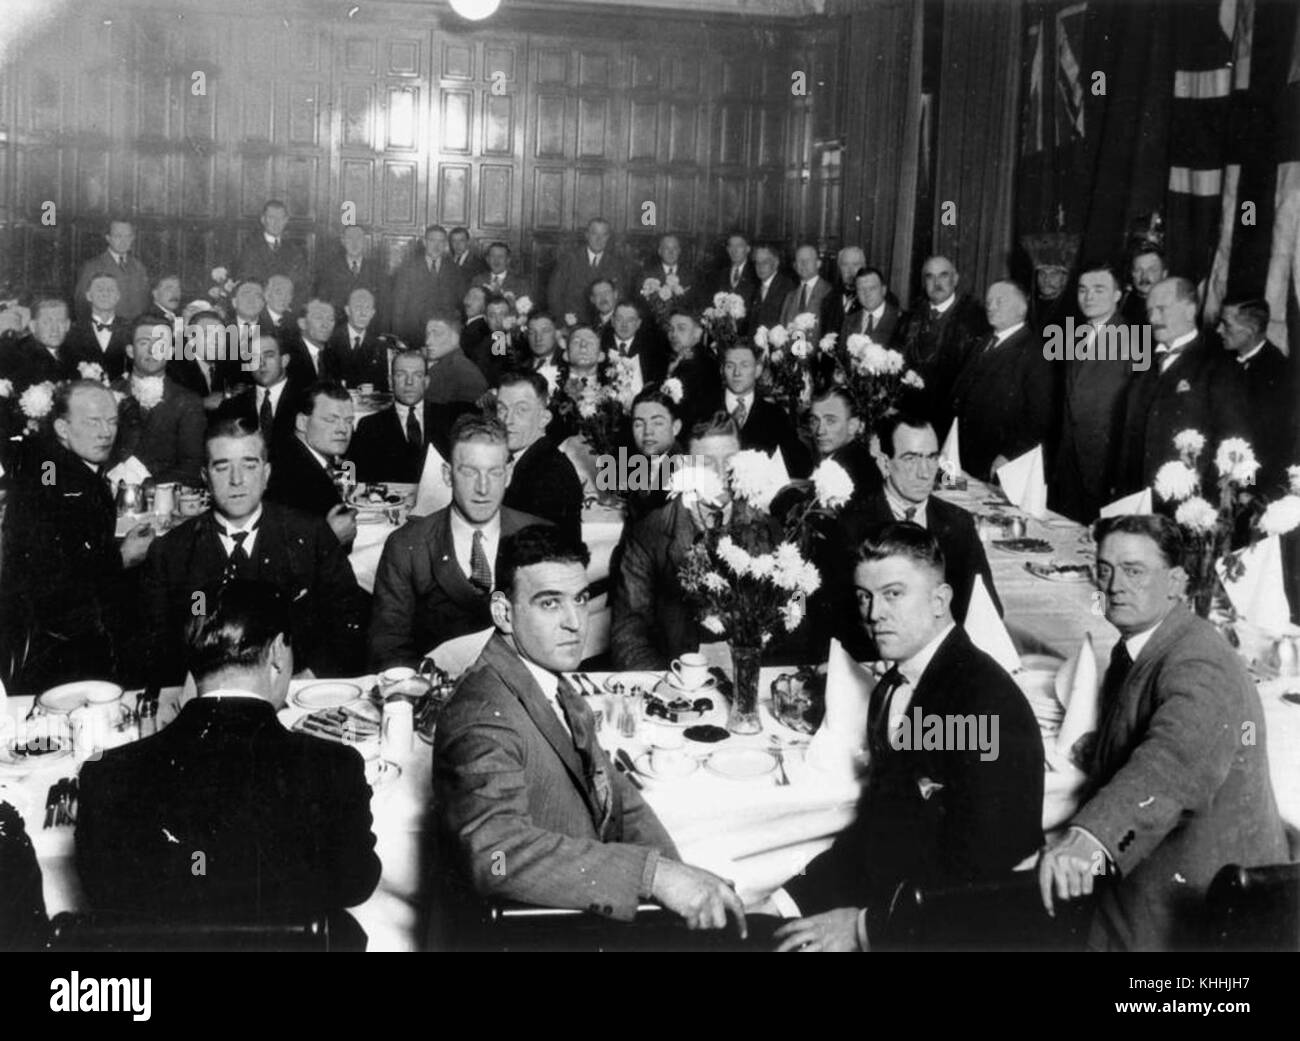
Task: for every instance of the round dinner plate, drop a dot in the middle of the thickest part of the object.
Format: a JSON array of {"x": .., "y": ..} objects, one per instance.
[
  {"x": 328, "y": 694},
  {"x": 69, "y": 696},
  {"x": 741, "y": 764}
]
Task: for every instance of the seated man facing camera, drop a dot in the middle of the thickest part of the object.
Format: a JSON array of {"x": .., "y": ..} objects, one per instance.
[
  {"x": 970, "y": 809},
  {"x": 226, "y": 814},
  {"x": 528, "y": 804}
]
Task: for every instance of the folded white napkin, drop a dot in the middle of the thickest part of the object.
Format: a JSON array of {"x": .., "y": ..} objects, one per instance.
[
  {"x": 843, "y": 733},
  {"x": 780, "y": 472},
  {"x": 1078, "y": 688},
  {"x": 455, "y": 656},
  {"x": 132, "y": 471},
  {"x": 1023, "y": 481},
  {"x": 434, "y": 492},
  {"x": 1138, "y": 502},
  {"x": 578, "y": 452},
  {"x": 986, "y": 629},
  {"x": 1259, "y": 595},
  {"x": 951, "y": 449},
  {"x": 634, "y": 363}
]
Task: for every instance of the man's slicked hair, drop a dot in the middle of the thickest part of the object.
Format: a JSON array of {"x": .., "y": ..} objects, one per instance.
[
  {"x": 1161, "y": 530},
  {"x": 241, "y": 620},
  {"x": 475, "y": 426},
  {"x": 904, "y": 539},
  {"x": 229, "y": 421},
  {"x": 892, "y": 421},
  {"x": 536, "y": 544},
  {"x": 534, "y": 379},
  {"x": 321, "y": 389}
]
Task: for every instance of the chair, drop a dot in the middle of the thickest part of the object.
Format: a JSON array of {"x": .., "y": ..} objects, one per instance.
[
  {"x": 1255, "y": 909},
  {"x": 22, "y": 903},
  {"x": 100, "y": 932},
  {"x": 1001, "y": 914}
]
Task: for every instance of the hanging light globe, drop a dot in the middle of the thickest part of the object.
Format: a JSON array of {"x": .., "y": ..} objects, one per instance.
[{"x": 475, "y": 10}]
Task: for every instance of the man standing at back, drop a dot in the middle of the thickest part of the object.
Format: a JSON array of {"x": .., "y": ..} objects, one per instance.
[
  {"x": 269, "y": 253},
  {"x": 124, "y": 266},
  {"x": 576, "y": 269}
]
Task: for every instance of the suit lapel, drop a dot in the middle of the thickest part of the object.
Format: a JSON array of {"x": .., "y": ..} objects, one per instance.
[{"x": 442, "y": 559}]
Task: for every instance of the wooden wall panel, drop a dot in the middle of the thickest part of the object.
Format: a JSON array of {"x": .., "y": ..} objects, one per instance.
[{"x": 521, "y": 129}]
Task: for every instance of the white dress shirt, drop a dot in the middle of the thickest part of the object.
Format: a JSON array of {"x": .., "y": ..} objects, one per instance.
[
  {"x": 764, "y": 286},
  {"x": 1136, "y": 642},
  {"x": 271, "y": 240},
  {"x": 899, "y": 506},
  {"x": 355, "y": 336},
  {"x": 102, "y": 336},
  {"x": 943, "y": 307},
  {"x": 1168, "y": 353},
  {"x": 911, "y": 670},
  {"x": 313, "y": 351},
  {"x": 462, "y": 540},
  {"x": 550, "y": 684},
  {"x": 731, "y": 402},
  {"x": 402, "y": 411},
  {"x": 1006, "y": 334},
  {"x": 227, "y": 528},
  {"x": 276, "y": 390},
  {"x": 593, "y": 259},
  {"x": 1242, "y": 359}
]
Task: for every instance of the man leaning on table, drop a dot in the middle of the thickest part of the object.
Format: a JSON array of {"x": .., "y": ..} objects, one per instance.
[
  {"x": 1179, "y": 783},
  {"x": 528, "y": 804},
  {"x": 227, "y": 814},
  {"x": 931, "y": 816}
]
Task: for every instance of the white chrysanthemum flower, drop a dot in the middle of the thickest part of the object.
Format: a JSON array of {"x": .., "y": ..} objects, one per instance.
[
  {"x": 665, "y": 294},
  {"x": 696, "y": 484},
  {"x": 524, "y": 305},
  {"x": 857, "y": 345},
  {"x": 763, "y": 566},
  {"x": 833, "y": 484},
  {"x": 1197, "y": 515},
  {"x": 720, "y": 301},
  {"x": 672, "y": 387},
  {"x": 776, "y": 357},
  {"x": 734, "y": 305},
  {"x": 1175, "y": 481},
  {"x": 788, "y": 557},
  {"x": 570, "y": 318},
  {"x": 586, "y": 408},
  {"x": 147, "y": 390},
  {"x": 792, "y": 614},
  {"x": 714, "y": 624},
  {"x": 804, "y": 322},
  {"x": 799, "y": 349},
  {"x": 1236, "y": 460},
  {"x": 827, "y": 342},
  {"x": 752, "y": 478},
  {"x": 1281, "y": 516},
  {"x": 6, "y": 388},
  {"x": 810, "y": 579},
  {"x": 37, "y": 400},
  {"x": 912, "y": 378},
  {"x": 760, "y": 337},
  {"x": 650, "y": 287},
  {"x": 715, "y": 583},
  {"x": 778, "y": 336},
  {"x": 1293, "y": 477},
  {"x": 90, "y": 370},
  {"x": 1189, "y": 442},
  {"x": 735, "y": 557},
  {"x": 219, "y": 274},
  {"x": 674, "y": 283}
]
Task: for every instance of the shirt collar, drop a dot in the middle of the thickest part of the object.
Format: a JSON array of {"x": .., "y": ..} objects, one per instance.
[
  {"x": 732, "y": 400},
  {"x": 402, "y": 410},
  {"x": 1006, "y": 334},
  {"x": 546, "y": 679},
  {"x": 593, "y": 258},
  {"x": 1182, "y": 341},
  {"x": 231, "y": 692},
  {"x": 464, "y": 529},
  {"x": 879, "y": 312},
  {"x": 898, "y": 505},
  {"x": 324, "y": 463},
  {"x": 1243, "y": 358},
  {"x": 914, "y": 667},
  {"x": 1137, "y": 642},
  {"x": 810, "y": 282},
  {"x": 227, "y": 528},
  {"x": 271, "y": 240},
  {"x": 943, "y": 307}
]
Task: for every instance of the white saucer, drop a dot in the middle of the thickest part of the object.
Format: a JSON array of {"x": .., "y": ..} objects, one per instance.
[
  {"x": 327, "y": 694},
  {"x": 672, "y": 680}
]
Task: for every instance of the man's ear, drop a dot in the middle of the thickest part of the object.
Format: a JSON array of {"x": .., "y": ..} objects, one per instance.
[
  {"x": 300, "y": 423},
  {"x": 501, "y": 615},
  {"x": 446, "y": 474},
  {"x": 676, "y": 428},
  {"x": 942, "y": 599}
]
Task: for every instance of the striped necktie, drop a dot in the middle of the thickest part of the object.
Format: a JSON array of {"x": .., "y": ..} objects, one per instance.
[{"x": 578, "y": 716}]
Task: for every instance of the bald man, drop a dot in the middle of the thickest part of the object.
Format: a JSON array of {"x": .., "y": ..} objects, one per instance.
[
  {"x": 939, "y": 336},
  {"x": 843, "y": 300},
  {"x": 1004, "y": 396}
]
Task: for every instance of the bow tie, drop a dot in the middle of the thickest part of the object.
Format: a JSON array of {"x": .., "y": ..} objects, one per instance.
[{"x": 103, "y": 327}]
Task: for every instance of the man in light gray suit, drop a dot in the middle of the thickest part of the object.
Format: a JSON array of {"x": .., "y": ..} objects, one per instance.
[
  {"x": 1179, "y": 783},
  {"x": 529, "y": 807},
  {"x": 810, "y": 293}
]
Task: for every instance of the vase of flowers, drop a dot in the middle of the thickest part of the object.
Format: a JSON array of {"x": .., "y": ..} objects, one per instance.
[
  {"x": 660, "y": 297},
  {"x": 722, "y": 321},
  {"x": 744, "y": 576},
  {"x": 878, "y": 377}
]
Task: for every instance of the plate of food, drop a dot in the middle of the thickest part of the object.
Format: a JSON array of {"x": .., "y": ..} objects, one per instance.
[
  {"x": 669, "y": 706},
  {"x": 1024, "y": 545},
  {"x": 1055, "y": 571},
  {"x": 341, "y": 727},
  {"x": 326, "y": 694}
]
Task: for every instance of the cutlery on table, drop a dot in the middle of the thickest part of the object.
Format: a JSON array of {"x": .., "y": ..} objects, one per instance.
[
  {"x": 51, "y": 803},
  {"x": 622, "y": 757},
  {"x": 636, "y": 781}
]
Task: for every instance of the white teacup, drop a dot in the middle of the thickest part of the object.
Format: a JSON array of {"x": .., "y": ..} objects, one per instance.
[
  {"x": 691, "y": 670},
  {"x": 389, "y": 679}
]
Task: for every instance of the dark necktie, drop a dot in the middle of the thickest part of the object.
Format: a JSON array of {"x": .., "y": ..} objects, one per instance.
[
  {"x": 416, "y": 439},
  {"x": 848, "y": 301},
  {"x": 480, "y": 571},
  {"x": 266, "y": 417},
  {"x": 1116, "y": 672},
  {"x": 935, "y": 314},
  {"x": 803, "y": 298},
  {"x": 355, "y": 265},
  {"x": 740, "y": 414},
  {"x": 871, "y": 323},
  {"x": 990, "y": 343},
  {"x": 121, "y": 261},
  {"x": 275, "y": 245},
  {"x": 593, "y": 261},
  {"x": 909, "y": 513},
  {"x": 356, "y": 342},
  {"x": 878, "y": 712},
  {"x": 238, "y": 561},
  {"x": 578, "y": 716}
]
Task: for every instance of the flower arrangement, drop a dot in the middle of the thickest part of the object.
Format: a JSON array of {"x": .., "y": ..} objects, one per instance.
[
  {"x": 793, "y": 361},
  {"x": 36, "y": 403},
  {"x": 599, "y": 409},
  {"x": 147, "y": 391},
  {"x": 659, "y": 297},
  {"x": 1209, "y": 527},
  {"x": 222, "y": 286},
  {"x": 524, "y": 307},
  {"x": 722, "y": 320},
  {"x": 878, "y": 377}
]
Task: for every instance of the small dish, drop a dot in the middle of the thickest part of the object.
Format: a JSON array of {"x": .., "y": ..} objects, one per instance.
[
  {"x": 627, "y": 682},
  {"x": 741, "y": 764},
  {"x": 686, "y": 765},
  {"x": 327, "y": 694}
]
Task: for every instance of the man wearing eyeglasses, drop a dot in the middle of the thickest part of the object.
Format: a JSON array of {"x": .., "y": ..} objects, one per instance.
[
  {"x": 1179, "y": 778},
  {"x": 909, "y": 461},
  {"x": 434, "y": 581}
]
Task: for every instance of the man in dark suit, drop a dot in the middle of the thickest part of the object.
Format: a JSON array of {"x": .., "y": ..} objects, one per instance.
[
  {"x": 435, "y": 574},
  {"x": 1085, "y": 443},
  {"x": 910, "y": 451},
  {"x": 390, "y": 445},
  {"x": 269, "y": 253},
  {"x": 302, "y": 477},
  {"x": 1176, "y": 789},
  {"x": 463, "y": 256},
  {"x": 498, "y": 279},
  {"x": 354, "y": 352},
  {"x": 475, "y": 334},
  {"x": 737, "y": 277},
  {"x": 520, "y": 779},
  {"x": 271, "y": 403},
  {"x": 62, "y": 597},
  {"x": 839, "y": 435},
  {"x": 763, "y": 424},
  {"x": 667, "y": 265},
  {"x": 1147, "y": 268},
  {"x": 630, "y": 337},
  {"x": 209, "y": 364},
  {"x": 694, "y": 367},
  {"x": 101, "y": 338},
  {"x": 281, "y": 317},
  {"x": 811, "y": 292},
  {"x": 159, "y": 423},
  {"x": 426, "y": 285},
  {"x": 125, "y": 267},
  {"x": 281, "y": 820},
  {"x": 602, "y": 295},
  {"x": 165, "y": 304},
  {"x": 1268, "y": 387},
  {"x": 542, "y": 477},
  {"x": 936, "y": 816},
  {"x": 874, "y": 316},
  {"x": 242, "y": 536},
  {"x": 40, "y": 356},
  {"x": 939, "y": 336},
  {"x": 771, "y": 289},
  {"x": 1003, "y": 398},
  {"x": 348, "y": 269},
  {"x": 310, "y": 356},
  {"x": 1189, "y": 384},
  {"x": 575, "y": 270},
  {"x": 841, "y": 302}
]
